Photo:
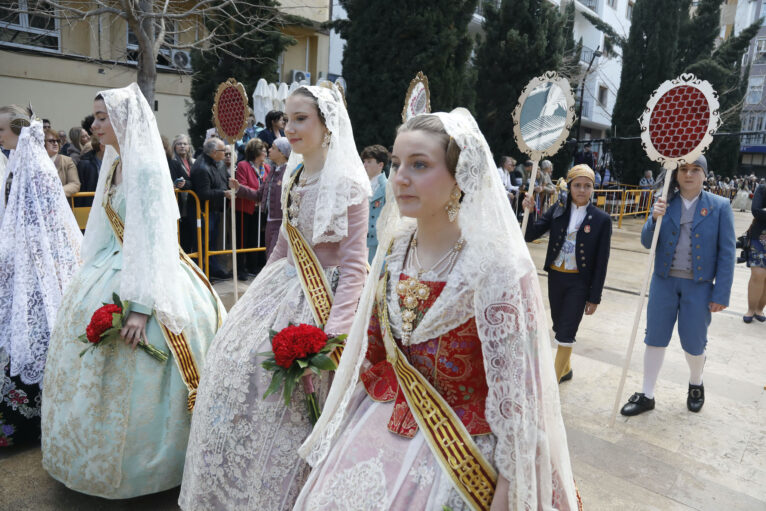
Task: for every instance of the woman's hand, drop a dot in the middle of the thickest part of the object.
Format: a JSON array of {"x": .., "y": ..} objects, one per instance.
[
  {"x": 659, "y": 209},
  {"x": 590, "y": 308},
  {"x": 134, "y": 330},
  {"x": 180, "y": 183},
  {"x": 234, "y": 184},
  {"x": 500, "y": 500},
  {"x": 716, "y": 307}
]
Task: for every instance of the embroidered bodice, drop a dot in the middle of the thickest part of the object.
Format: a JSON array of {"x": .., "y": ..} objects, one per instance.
[{"x": 451, "y": 362}]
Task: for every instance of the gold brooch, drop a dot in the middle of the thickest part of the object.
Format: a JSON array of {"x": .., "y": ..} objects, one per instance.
[{"x": 412, "y": 291}]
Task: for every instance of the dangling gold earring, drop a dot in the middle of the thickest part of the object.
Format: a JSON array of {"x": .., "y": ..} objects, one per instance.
[
  {"x": 326, "y": 141},
  {"x": 453, "y": 206}
]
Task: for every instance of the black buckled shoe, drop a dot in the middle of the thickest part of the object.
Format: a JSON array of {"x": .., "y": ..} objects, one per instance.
[
  {"x": 695, "y": 398},
  {"x": 638, "y": 403},
  {"x": 566, "y": 377}
]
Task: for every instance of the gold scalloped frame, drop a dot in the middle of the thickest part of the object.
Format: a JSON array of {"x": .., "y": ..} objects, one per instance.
[
  {"x": 714, "y": 122},
  {"x": 231, "y": 82},
  {"x": 563, "y": 84},
  {"x": 419, "y": 78}
]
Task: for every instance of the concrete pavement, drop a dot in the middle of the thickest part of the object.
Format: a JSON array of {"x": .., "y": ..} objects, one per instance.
[{"x": 666, "y": 459}]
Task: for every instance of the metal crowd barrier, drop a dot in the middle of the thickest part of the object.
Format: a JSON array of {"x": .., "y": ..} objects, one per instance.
[{"x": 202, "y": 257}]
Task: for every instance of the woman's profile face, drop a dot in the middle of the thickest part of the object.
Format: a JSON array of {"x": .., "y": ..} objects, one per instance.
[
  {"x": 8, "y": 139},
  {"x": 276, "y": 155},
  {"x": 102, "y": 126},
  {"x": 422, "y": 182},
  {"x": 304, "y": 130}
]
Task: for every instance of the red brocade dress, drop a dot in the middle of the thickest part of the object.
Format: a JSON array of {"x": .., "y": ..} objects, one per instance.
[
  {"x": 452, "y": 363},
  {"x": 373, "y": 469}
]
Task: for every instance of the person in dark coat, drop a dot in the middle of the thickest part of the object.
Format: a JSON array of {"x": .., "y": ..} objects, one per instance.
[
  {"x": 756, "y": 259},
  {"x": 576, "y": 261},
  {"x": 88, "y": 170},
  {"x": 209, "y": 183},
  {"x": 275, "y": 127},
  {"x": 187, "y": 225}
]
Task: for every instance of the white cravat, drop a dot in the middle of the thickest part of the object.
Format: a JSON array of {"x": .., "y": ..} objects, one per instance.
[{"x": 577, "y": 214}]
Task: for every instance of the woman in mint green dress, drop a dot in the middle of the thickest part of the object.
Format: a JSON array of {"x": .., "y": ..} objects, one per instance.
[{"x": 115, "y": 421}]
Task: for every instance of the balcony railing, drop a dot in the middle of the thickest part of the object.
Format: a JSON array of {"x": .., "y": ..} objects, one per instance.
[
  {"x": 587, "y": 54},
  {"x": 590, "y": 4}
]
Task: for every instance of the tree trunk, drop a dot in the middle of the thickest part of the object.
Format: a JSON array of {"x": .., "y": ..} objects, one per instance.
[{"x": 146, "y": 67}]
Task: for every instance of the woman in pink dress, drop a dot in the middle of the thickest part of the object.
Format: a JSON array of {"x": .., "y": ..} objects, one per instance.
[
  {"x": 243, "y": 450},
  {"x": 445, "y": 397}
]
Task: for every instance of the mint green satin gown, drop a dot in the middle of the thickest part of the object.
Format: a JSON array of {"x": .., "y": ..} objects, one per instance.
[{"x": 115, "y": 421}]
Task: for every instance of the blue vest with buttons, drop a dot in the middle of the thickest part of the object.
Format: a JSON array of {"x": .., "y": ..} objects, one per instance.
[{"x": 713, "y": 243}]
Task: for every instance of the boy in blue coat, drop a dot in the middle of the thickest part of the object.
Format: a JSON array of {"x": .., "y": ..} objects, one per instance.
[
  {"x": 375, "y": 158},
  {"x": 693, "y": 274}
]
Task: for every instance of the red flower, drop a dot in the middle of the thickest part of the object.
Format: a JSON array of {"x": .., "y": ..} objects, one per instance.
[
  {"x": 296, "y": 342},
  {"x": 101, "y": 322}
]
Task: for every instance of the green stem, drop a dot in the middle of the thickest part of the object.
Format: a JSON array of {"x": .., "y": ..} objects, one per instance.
[
  {"x": 153, "y": 352},
  {"x": 313, "y": 406}
]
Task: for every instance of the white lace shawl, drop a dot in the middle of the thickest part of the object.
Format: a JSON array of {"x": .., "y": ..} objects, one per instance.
[
  {"x": 343, "y": 181},
  {"x": 495, "y": 282},
  {"x": 151, "y": 267},
  {"x": 39, "y": 254},
  {"x": 3, "y": 177}
]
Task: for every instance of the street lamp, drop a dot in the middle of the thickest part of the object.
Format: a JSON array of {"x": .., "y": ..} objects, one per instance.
[{"x": 596, "y": 54}]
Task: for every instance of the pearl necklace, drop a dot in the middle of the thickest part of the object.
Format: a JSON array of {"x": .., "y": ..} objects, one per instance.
[{"x": 412, "y": 291}]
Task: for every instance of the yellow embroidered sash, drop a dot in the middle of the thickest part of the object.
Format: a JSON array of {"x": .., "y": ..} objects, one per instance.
[
  {"x": 451, "y": 444},
  {"x": 178, "y": 344},
  {"x": 310, "y": 272}
]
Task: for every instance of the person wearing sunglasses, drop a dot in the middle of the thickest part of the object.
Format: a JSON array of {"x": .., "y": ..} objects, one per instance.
[{"x": 64, "y": 165}]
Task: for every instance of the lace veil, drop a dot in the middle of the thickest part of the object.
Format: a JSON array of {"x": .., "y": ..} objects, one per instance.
[
  {"x": 151, "y": 267},
  {"x": 39, "y": 254},
  {"x": 3, "y": 177},
  {"x": 343, "y": 181},
  {"x": 494, "y": 281}
]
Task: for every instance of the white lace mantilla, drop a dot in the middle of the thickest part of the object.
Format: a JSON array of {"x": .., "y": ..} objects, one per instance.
[
  {"x": 494, "y": 280},
  {"x": 39, "y": 254},
  {"x": 343, "y": 182}
]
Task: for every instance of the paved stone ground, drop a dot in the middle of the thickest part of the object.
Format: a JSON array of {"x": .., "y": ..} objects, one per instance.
[{"x": 667, "y": 459}]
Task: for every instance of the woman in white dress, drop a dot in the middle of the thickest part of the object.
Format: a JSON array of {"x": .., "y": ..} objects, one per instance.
[
  {"x": 39, "y": 255},
  {"x": 446, "y": 396},
  {"x": 243, "y": 449}
]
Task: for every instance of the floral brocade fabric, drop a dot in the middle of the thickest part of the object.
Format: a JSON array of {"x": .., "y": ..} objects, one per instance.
[{"x": 452, "y": 363}]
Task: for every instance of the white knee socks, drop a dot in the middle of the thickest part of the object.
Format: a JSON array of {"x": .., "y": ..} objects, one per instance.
[
  {"x": 696, "y": 364},
  {"x": 653, "y": 357}
]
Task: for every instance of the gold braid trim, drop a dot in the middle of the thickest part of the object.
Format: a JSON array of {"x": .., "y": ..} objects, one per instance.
[
  {"x": 451, "y": 444},
  {"x": 312, "y": 277},
  {"x": 178, "y": 343}
]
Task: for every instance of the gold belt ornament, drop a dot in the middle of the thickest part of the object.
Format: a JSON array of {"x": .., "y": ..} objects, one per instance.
[
  {"x": 178, "y": 343},
  {"x": 310, "y": 272},
  {"x": 451, "y": 444}
]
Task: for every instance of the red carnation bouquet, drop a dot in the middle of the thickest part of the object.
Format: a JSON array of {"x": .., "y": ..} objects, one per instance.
[
  {"x": 106, "y": 323},
  {"x": 295, "y": 349}
]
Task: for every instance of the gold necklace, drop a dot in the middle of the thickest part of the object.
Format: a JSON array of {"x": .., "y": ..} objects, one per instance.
[
  {"x": 295, "y": 196},
  {"x": 412, "y": 291}
]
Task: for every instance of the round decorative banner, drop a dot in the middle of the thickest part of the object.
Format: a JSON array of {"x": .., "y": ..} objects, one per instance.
[
  {"x": 544, "y": 115},
  {"x": 679, "y": 120},
  {"x": 230, "y": 110},
  {"x": 418, "y": 98}
]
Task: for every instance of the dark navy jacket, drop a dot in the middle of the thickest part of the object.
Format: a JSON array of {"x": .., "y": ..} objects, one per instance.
[{"x": 592, "y": 243}]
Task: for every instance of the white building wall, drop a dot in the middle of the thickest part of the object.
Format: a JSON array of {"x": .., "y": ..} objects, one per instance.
[{"x": 337, "y": 43}]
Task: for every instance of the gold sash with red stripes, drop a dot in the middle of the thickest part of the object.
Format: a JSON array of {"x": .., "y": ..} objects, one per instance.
[
  {"x": 178, "y": 344},
  {"x": 310, "y": 272},
  {"x": 451, "y": 444}
]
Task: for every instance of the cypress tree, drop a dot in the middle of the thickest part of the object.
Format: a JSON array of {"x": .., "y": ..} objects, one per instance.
[
  {"x": 522, "y": 39},
  {"x": 387, "y": 43},
  {"x": 211, "y": 68},
  {"x": 649, "y": 58}
]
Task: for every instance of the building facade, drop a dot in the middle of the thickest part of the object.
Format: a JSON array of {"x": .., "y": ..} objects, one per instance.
[{"x": 59, "y": 66}]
